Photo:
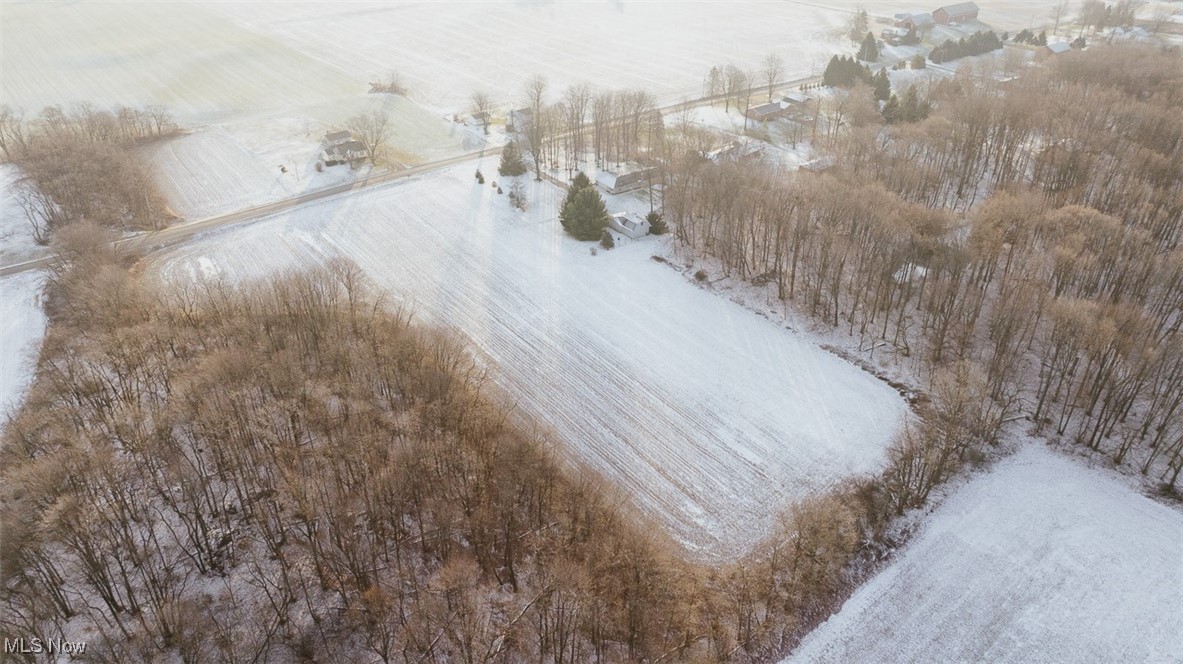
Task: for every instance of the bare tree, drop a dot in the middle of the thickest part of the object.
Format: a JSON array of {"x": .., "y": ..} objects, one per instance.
[
  {"x": 537, "y": 131},
  {"x": 773, "y": 68},
  {"x": 1057, "y": 14},
  {"x": 370, "y": 129},
  {"x": 482, "y": 106},
  {"x": 12, "y": 131}
]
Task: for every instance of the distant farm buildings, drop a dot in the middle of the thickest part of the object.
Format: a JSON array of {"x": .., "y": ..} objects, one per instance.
[
  {"x": 629, "y": 225},
  {"x": 958, "y": 13},
  {"x": 765, "y": 112},
  {"x": 1056, "y": 48},
  {"x": 341, "y": 148}
]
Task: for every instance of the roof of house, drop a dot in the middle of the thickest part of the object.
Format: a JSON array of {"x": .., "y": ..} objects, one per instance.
[
  {"x": 335, "y": 136},
  {"x": 767, "y": 109},
  {"x": 795, "y": 98},
  {"x": 1059, "y": 47},
  {"x": 354, "y": 145},
  {"x": 960, "y": 8},
  {"x": 627, "y": 221},
  {"x": 819, "y": 164},
  {"x": 918, "y": 18}
]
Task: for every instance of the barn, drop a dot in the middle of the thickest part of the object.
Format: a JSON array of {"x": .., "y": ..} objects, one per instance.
[{"x": 958, "y": 13}]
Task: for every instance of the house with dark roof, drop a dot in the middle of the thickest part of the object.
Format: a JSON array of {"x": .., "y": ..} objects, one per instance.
[
  {"x": 765, "y": 112},
  {"x": 618, "y": 183},
  {"x": 958, "y": 13},
  {"x": 920, "y": 20},
  {"x": 336, "y": 138}
]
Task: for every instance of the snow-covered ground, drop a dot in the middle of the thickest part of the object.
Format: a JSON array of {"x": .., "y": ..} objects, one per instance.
[
  {"x": 22, "y": 325},
  {"x": 1038, "y": 560},
  {"x": 707, "y": 416}
]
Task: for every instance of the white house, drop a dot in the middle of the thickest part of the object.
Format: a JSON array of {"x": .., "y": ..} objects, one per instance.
[{"x": 629, "y": 225}]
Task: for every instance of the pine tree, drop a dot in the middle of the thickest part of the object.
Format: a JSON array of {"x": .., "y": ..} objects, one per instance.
[
  {"x": 586, "y": 216},
  {"x": 881, "y": 85},
  {"x": 606, "y": 240},
  {"x": 891, "y": 110},
  {"x": 869, "y": 51},
  {"x": 657, "y": 225},
  {"x": 579, "y": 182},
  {"x": 511, "y": 161}
]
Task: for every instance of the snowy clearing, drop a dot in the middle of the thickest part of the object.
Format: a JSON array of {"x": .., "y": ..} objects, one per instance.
[
  {"x": 709, "y": 417},
  {"x": 1039, "y": 559},
  {"x": 22, "y": 325}
]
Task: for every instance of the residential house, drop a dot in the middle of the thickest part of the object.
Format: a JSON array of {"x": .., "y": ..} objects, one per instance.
[
  {"x": 766, "y": 112},
  {"x": 922, "y": 21},
  {"x": 618, "y": 183},
  {"x": 819, "y": 165}
]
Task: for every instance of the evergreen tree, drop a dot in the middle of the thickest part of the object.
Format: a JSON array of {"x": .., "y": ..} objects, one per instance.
[
  {"x": 579, "y": 182},
  {"x": 870, "y": 50},
  {"x": 606, "y": 240},
  {"x": 657, "y": 225},
  {"x": 891, "y": 110},
  {"x": 882, "y": 85},
  {"x": 918, "y": 62},
  {"x": 511, "y": 161},
  {"x": 1041, "y": 40},
  {"x": 586, "y": 216}
]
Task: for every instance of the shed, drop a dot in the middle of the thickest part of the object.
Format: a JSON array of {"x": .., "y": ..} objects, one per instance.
[
  {"x": 817, "y": 165},
  {"x": 629, "y": 225},
  {"x": 962, "y": 11},
  {"x": 1056, "y": 48}
]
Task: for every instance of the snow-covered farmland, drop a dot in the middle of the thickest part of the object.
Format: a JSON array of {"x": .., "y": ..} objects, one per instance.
[
  {"x": 22, "y": 325},
  {"x": 665, "y": 48},
  {"x": 707, "y": 416},
  {"x": 1038, "y": 560}
]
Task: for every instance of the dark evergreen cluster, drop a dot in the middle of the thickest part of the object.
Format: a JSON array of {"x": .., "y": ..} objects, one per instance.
[
  {"x": 843, "y": 71},
  {"x": 1025, "y": 36},
  {"x": 909, "y": 109},
  {"x": 977, "y": 44},
  {"x": 511, "y": 161}
]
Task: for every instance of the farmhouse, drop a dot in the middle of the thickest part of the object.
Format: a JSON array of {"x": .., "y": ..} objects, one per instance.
[
  {"x": 893, "y": 35},
  {"x": 765, "y": 112},
  {"x": 958, "y": 13},
  {"x": 336, "y": 138},
  {"x": 920, "y": 20},
  {"x": 629, "y": 225},
  {"x": 618, "y": 183}
]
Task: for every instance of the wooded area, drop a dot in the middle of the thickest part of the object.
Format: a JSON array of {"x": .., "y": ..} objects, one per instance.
[{"x": 1031, "y": 228}]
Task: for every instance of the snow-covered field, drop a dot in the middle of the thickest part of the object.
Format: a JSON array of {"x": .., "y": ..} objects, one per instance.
[
  {"x": 22, "y": 325},
  {"x": 445, "y": 53},
  {"x": 1038, "y": 560},
  {"x": 707, "y": 416}
]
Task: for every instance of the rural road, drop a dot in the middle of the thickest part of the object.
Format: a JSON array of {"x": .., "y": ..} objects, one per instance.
[{"x": 156, "y": 239}]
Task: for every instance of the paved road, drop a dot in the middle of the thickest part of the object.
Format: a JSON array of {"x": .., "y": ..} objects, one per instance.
[{"x": 167, "y": 236}]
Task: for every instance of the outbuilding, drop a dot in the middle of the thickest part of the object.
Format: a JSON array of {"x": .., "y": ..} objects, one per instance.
[
  {"x": 958, "y": 13},
  {"x": 629, "y": 225}
]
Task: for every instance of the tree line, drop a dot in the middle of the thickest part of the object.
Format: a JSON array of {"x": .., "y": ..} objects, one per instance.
[
  {"x": 81, "y": 165},
  {"x": 1031, "y": 229}
]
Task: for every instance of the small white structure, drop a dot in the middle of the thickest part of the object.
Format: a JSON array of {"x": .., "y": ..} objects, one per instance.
[
  {"x": 1056, "y": 48},
  {"x": 629, "y": 225},
  {"x": 618, "y": 183}
]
